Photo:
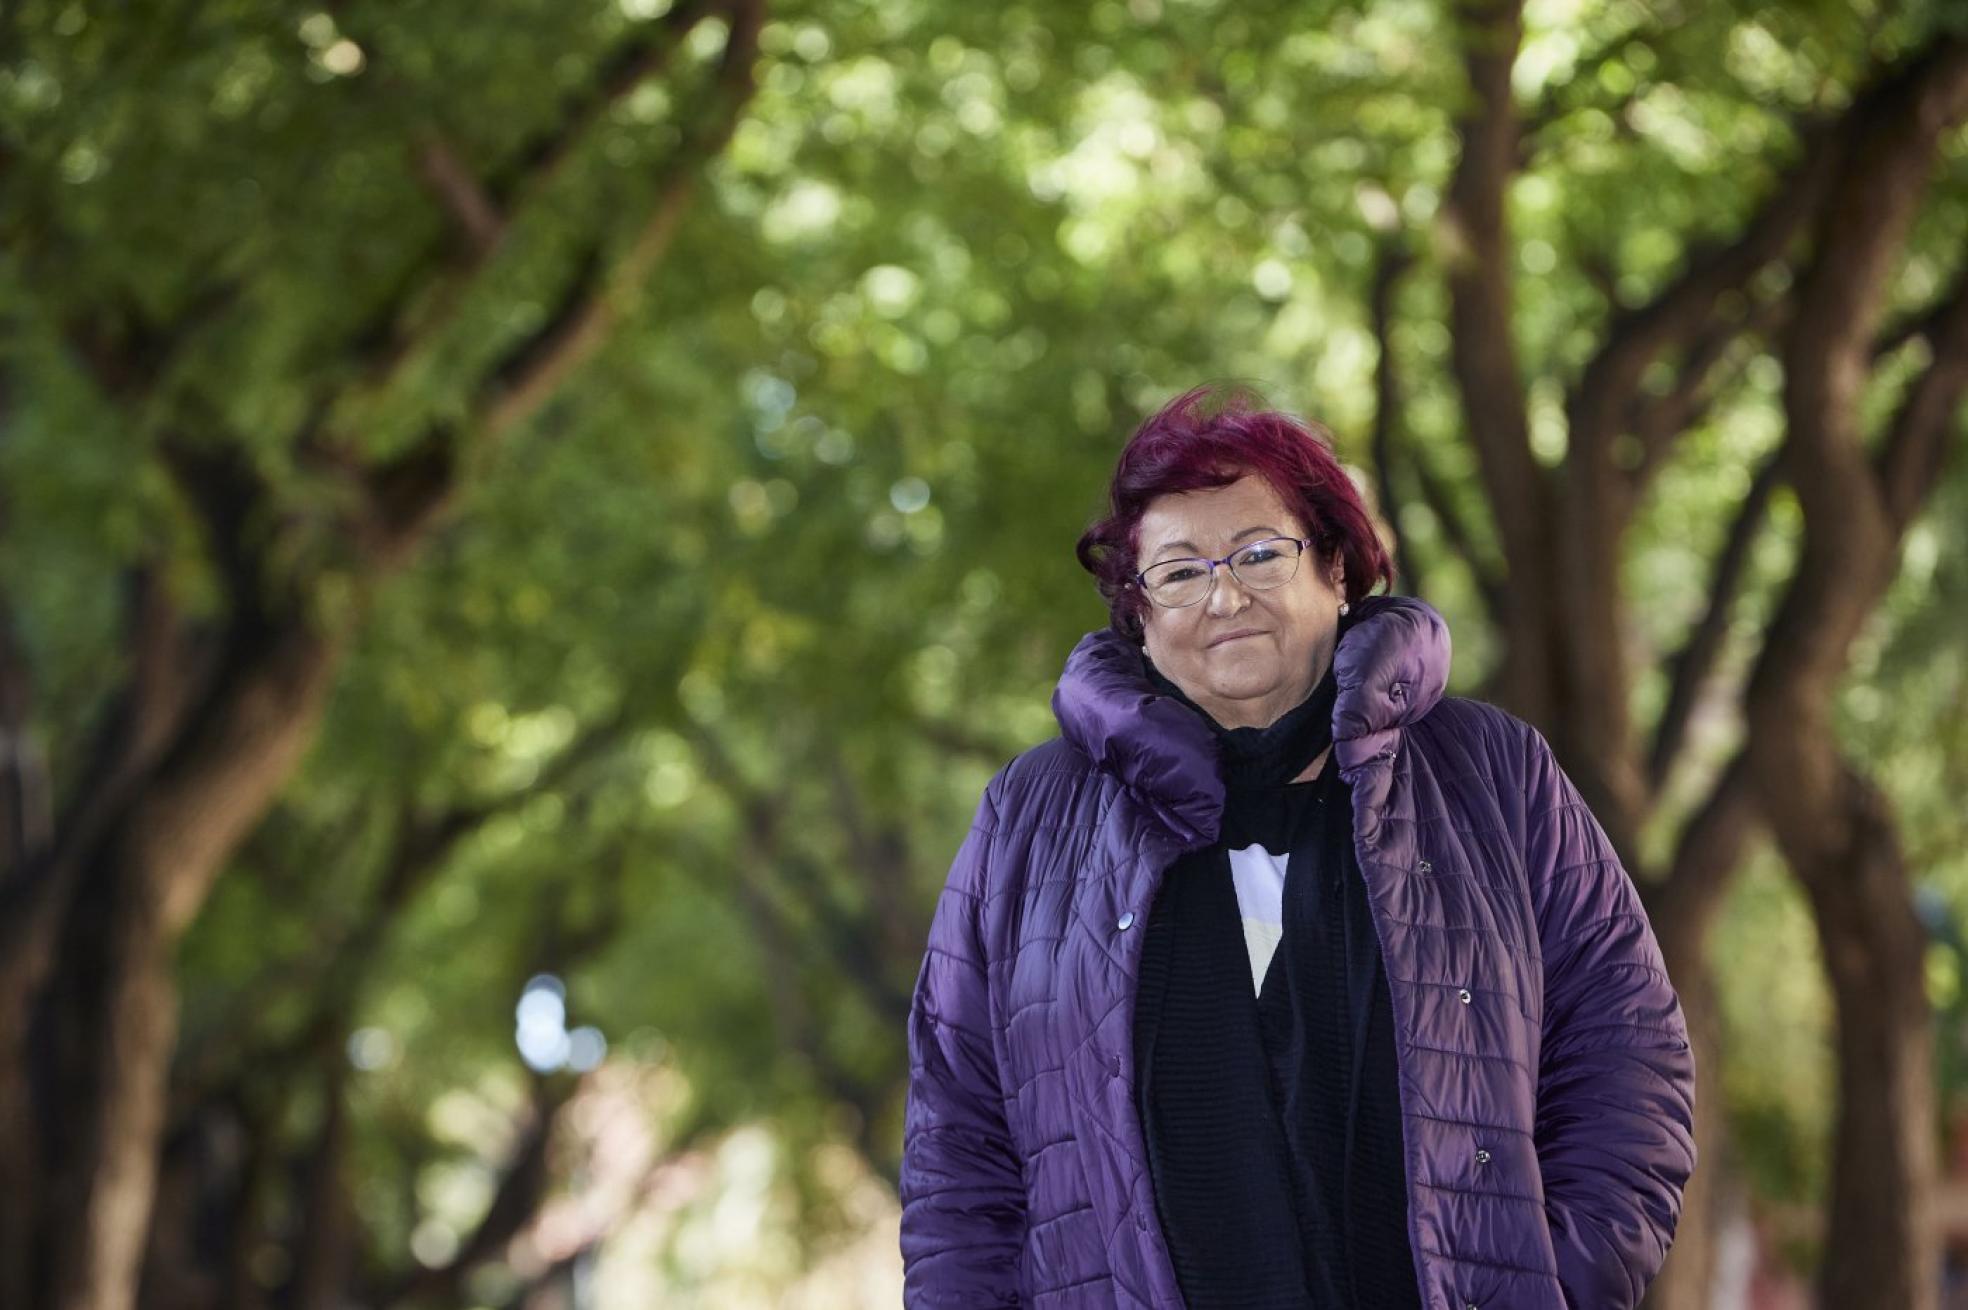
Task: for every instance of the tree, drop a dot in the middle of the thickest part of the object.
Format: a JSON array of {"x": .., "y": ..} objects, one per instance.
[
  {"x": 661, "y": 645},
  {"x": 1854, "y": 194},
  {"x": 380, "y": 421}
]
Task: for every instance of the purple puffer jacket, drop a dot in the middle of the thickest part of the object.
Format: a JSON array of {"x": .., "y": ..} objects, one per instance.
[{"x": 1547, "y": 1087}]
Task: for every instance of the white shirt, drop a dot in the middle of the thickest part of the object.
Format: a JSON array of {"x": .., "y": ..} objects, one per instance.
[{"x": 1260, "y": 880}]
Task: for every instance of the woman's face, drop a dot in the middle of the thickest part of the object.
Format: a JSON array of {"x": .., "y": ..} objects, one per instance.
[{"x": 1245, "y": 656}]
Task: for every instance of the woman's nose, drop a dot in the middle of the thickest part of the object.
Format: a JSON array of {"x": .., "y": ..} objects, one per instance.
[{"x": 1227, "y": 595}]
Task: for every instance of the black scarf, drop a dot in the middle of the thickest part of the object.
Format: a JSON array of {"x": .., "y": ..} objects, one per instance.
[{"x": 1273, "y": 1121}]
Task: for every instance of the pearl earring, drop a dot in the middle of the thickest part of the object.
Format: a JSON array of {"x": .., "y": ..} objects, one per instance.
[{"x": 1343, "y": 608}]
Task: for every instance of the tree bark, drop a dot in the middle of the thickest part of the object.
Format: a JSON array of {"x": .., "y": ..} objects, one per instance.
[
  {"x": 322, "y": 1248},
  {"x": 25, "y": 821},
  {"x": 1883, "y": 1244},
  {"x": 1683, "y": 909},
  {"x": 1687, "y": 1277},
  {"x": 110, "y": 1014},
  {"x": 1479, "y": 262}
]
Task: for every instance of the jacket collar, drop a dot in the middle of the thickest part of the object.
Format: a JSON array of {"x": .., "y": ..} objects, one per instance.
[{"x": 1392, "y": 666}]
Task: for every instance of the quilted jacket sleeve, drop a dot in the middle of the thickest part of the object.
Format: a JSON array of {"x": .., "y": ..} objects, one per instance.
[
  {"x": 1616, "y": 1077},
  {"x": 963, "y": 1191}
]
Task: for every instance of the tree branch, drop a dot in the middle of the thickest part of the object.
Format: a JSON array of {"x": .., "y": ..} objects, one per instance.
[
  {"x": 406, "y": 495},
  {"x": 475, "y": 212},
  {"x": 1829, "y": 352},
  {"x": 126, "y": 356},
  {"x": 1708, "y": 850},
  {"x": 541, "y": 162},
  {"x": 233, "y": 503},
  {"x": 1391, "y": 259},
  {"x": 1437, "y": 494},
  {"x": 850, "y": 948},
  {"x": 596, "y": 302},
  {"x": 421, "y": 849},
  {"x": 1909, "y": 464},
  {"x": 26, "y": 802},
  {"x": 167, "y": 675},
  {"x": 1483, "y": 334},
  {"x": 1656, "y": 422},
  {"x": 1908, "y": 326},
  {"x": 1684, "y": 311},
  {"x": 880, "y": 852},
  {"x": 1689, "y": 667},
  {"x": 779, "y": 946},
  {"x": 521, "y": 1190},
  {"x": 513, "y": 189}
]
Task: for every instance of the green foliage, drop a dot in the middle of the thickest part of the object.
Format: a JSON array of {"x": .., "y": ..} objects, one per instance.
[{"x": 816, "y": 499}]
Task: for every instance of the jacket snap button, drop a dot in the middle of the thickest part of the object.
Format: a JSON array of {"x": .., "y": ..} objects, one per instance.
[
  {"x": 1126, "y": 921},
  {"x": 1425, "y": 867},
  {"x": 1462, "y": 994},
  {"x": 1141, "y": 1220},
  {"x": 1482, "y": 1156},
  {"x": 1114, "y": 1065}
]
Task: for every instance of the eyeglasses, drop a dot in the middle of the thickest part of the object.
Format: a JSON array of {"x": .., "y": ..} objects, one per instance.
[{"x": 1262, "y": 565}]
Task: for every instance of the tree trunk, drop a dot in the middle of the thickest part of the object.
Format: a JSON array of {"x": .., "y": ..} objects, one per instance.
[
  {"x": 87, "y": 937},
  {"x": 108, "y": 1018},
  {"x": 1882, "y": 1244},
  {"x": 1683, "y": 909},
  {"x": 1687, "y": 1279},
  {"x": 323, "y": 1247},
  {"x": 114, "y": 1011}
]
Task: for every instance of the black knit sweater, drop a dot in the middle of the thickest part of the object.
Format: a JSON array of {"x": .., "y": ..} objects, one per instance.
[{"x": 1273, "y": 1120}]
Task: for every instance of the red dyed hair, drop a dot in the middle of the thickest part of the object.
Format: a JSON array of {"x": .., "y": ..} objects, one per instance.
[{"x": 1209, "y": 437}]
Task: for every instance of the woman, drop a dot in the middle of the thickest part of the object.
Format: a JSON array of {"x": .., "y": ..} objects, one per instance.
[{"x": 1279, "y": 978}]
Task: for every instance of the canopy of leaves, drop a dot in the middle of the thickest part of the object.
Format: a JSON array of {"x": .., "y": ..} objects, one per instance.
[{"x": 709, "y": 661}]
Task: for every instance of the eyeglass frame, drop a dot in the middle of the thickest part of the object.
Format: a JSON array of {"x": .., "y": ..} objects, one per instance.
[{"x": 1140, "y": 579}]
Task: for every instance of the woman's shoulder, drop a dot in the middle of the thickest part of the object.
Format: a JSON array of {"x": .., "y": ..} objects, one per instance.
[
  {"x": 1055, "y": 755},
  {"x": 1043, "y": 781},
  {"x": 1467, "y": 716},
  {"x": 1481, "y": 730}
]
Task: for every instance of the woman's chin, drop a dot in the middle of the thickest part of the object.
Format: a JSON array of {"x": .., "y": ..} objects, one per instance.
[{"x": 1243, "y": 682}]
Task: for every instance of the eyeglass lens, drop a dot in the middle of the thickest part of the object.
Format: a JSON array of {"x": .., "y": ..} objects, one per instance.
[{"x": 1261, "y": 565}]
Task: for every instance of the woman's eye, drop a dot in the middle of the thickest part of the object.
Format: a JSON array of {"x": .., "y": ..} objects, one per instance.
[
  {"x": 1259, "y": 555},
  {"x": 1182, "y": 574}
]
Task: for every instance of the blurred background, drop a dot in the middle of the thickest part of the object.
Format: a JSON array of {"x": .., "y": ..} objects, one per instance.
[{"x": 525, "y": 529}]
